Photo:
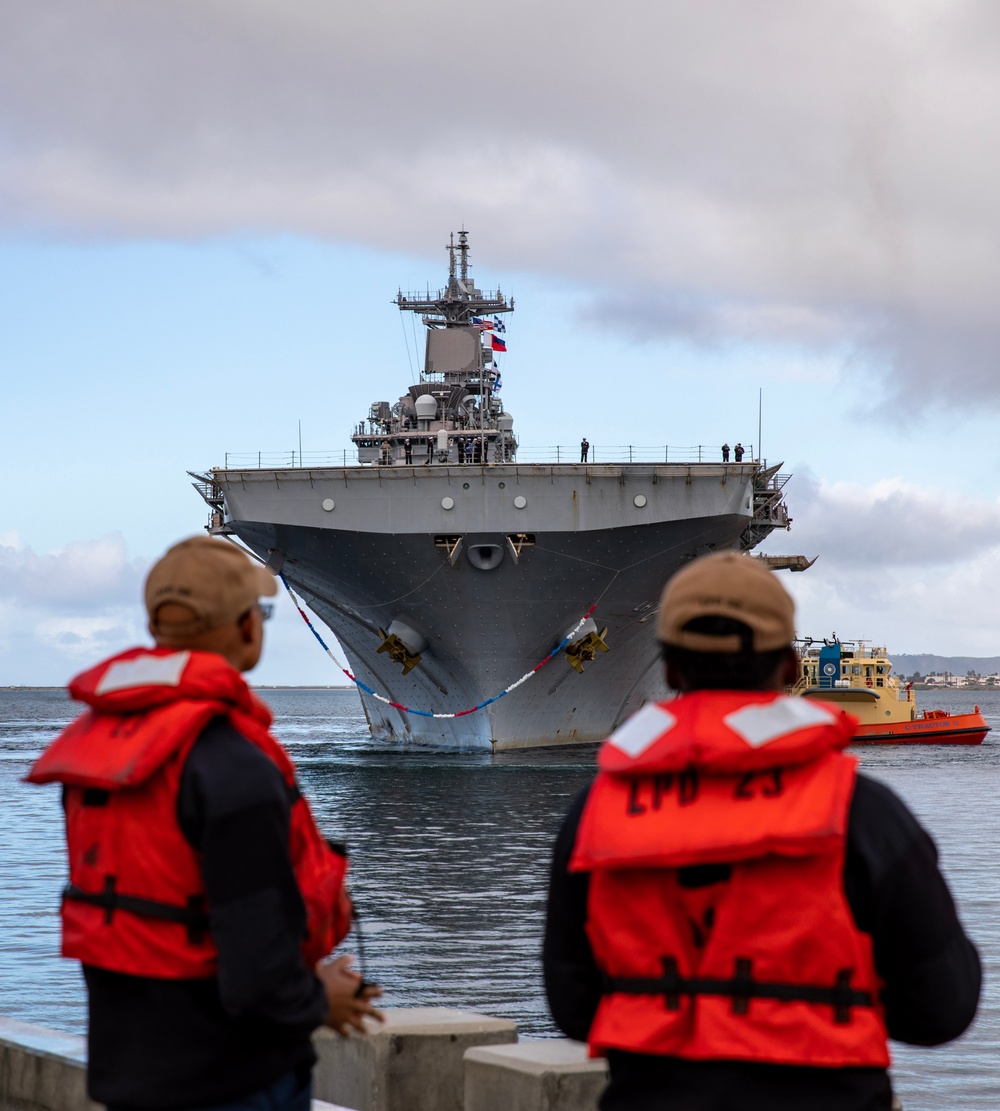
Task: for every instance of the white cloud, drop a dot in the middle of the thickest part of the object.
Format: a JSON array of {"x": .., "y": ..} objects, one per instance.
[
  {"x": 911, "y": 567},
  {"x": 709, "y": 321},
  {"x": 89, "y": 639},
  {"x": 878, "y": 529},
  {"x": 807, "y": 173},
  {"x": 66, "y": 610},
  {"x": 949, "y": 610},
  {"x": 82, "y": 574}
]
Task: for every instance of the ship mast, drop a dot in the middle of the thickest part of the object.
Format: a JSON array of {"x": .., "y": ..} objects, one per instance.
[
  {"x": 453, "y": 414},
  {"x": 460, "y": 301}
]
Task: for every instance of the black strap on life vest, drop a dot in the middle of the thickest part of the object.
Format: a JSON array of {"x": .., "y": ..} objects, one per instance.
[
  {"x": 742, "y": 988},
  {"x": 193, "y": 915}
]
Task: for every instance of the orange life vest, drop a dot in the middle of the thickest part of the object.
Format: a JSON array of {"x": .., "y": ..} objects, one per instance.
[
  {"x": 765, "y": 965},
  {"x": 135, "y": 902}
]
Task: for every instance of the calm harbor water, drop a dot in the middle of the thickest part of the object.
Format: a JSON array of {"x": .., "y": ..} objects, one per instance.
[{"x": 449, "y": 863}]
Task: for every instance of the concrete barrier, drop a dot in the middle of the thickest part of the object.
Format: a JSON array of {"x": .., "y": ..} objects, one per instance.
[
  {"x": 46, "y": 1070},
  {"x": 433, "y": 1058},
  {"x": 42, "y": 1069},
  {"x": 414, "y": 1060},
  {"x": 548, "y": 1074}
]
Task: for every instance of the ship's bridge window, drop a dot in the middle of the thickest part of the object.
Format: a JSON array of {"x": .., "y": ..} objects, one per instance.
[{"x": 856, "y": 669}]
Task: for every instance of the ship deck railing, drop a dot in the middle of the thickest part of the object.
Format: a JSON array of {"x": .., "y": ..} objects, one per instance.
[{"x": 559, "y": 453}]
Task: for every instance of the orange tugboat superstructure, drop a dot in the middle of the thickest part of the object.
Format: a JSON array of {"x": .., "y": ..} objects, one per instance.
[{"x": 859, "y": 679}]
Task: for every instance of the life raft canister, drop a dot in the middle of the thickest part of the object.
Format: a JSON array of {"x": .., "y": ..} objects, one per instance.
[
  {"x": 135, "y": 902},
  {"x": 767, "y": 964}
]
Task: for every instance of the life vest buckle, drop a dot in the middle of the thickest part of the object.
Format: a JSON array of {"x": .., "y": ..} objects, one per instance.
[
  {"x": 843, "y": 997},
  {"x": 671, "y": 984},
  {"x": 109, "y": 899},
  {"x": 742, "y": 986},
  {"x": 197, "y": 920}
]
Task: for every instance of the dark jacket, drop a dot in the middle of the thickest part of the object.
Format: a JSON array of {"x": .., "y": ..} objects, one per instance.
[{"x": 161, "y": 1043}]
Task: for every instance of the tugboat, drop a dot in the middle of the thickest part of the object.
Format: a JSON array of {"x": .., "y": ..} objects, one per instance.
[
  {"x": 450, "y": 570},
  {"x": 858, "y": 678}
]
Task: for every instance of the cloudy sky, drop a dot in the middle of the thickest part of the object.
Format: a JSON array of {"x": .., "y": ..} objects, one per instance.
[{"x": 710, "y": 214}]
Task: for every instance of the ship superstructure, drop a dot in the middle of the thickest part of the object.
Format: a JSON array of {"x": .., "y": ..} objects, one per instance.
[
  {"x": 454, "y": 414},
  {"x": 447, "y": 569}
]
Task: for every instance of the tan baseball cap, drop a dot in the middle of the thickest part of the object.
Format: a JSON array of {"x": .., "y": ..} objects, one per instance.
[
  {"x": 213, "y": 578},
  {"x": 726, "y": 584}
]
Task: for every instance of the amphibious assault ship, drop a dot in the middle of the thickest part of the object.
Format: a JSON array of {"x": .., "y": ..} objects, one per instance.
[{"x": 448, "y": 568}]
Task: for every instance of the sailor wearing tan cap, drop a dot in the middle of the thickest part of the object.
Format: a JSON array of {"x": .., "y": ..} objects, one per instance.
[
  {"x": 202, "y": 899},
  {"x": 737, "y": 919}
]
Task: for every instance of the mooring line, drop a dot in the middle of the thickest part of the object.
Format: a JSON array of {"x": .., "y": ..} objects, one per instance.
[{"x": 428, "y": 713}]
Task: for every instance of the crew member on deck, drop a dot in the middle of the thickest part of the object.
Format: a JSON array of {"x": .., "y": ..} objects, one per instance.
[{"x": 737, "y": 919}]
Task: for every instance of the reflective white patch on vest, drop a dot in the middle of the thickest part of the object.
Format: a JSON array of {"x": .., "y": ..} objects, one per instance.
[
  {"x": 641, "y": 729},
  {"x": 144, "y": 671},
  {"x": 759, "y": 725}
]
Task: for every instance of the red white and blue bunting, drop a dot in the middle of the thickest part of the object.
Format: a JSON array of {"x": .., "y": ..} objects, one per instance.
[{"x": 429, "y": 713}]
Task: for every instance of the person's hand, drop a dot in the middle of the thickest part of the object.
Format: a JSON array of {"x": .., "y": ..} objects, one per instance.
[{"x": 346, "y": 1006}]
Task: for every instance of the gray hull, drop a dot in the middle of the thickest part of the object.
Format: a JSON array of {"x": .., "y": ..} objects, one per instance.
[{"x": 491, "y": 566}]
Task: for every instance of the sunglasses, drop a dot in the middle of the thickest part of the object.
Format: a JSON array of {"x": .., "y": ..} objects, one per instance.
[{"x": 265, "y": 609}]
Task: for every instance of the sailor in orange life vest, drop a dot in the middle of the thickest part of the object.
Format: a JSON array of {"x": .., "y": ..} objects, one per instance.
[
  {"x": 202, "y": 899},
  {"x": 737, "y": 919}
]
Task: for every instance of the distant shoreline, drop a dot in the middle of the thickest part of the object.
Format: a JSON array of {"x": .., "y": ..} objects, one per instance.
[{"x": 955, "y": 687}]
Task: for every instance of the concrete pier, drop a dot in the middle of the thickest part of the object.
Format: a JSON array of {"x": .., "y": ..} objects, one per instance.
[
  {"x": 546, "y": 1074},
  {"x": 413, "y": 1060},
  {"x": 422, "y": 1059},
  {"x": 46, "y": 1070},
  {"x": 42, "y": 1069}
]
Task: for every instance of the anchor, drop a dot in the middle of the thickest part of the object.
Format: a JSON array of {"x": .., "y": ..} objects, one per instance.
[
  {"x": 399, "y": 651},
  {"x": 586, "y": 648}
]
